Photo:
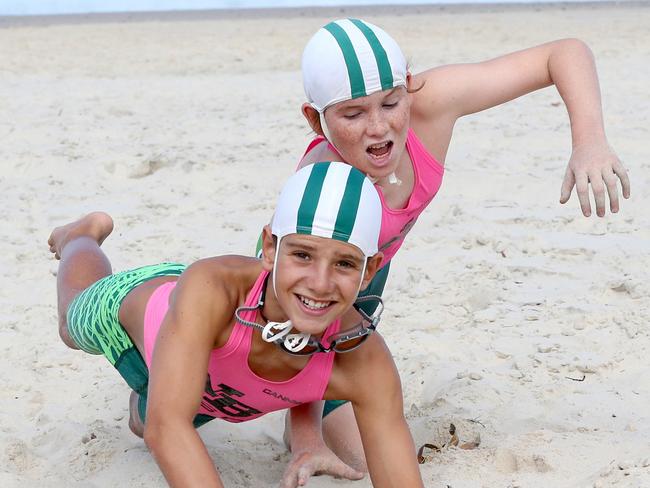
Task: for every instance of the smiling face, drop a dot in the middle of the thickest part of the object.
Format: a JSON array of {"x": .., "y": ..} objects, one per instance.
[
  {"x": 316, "y": 280},
  {"x": 370, "y": 132}
]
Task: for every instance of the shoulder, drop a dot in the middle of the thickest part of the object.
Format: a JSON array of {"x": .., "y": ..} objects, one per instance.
[
  {"x": 216, "y": 285},
  {"x": 318, "y": 152},
  {"x": 222, "y": 270},
  {"x": 359, "y": 375},
  {"x": 436, "y": 91}
]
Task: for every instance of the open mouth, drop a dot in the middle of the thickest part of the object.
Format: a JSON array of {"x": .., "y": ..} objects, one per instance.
[
  {"x": 379, "y": 150},
  {"x": 314, "y": 305}
]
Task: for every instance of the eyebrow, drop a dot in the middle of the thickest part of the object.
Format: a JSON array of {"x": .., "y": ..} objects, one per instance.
[
  {"x": 307, "y": 247},
  {"x": 349, "y": 257},
  {"x": 339, "y": 255}
]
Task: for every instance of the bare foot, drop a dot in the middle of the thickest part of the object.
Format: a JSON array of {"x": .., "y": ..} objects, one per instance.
[
  {"x": 135, "y": 422},
  {"x": 95, "y": 225}
]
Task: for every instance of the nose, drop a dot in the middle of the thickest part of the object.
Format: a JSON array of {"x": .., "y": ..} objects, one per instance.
[
  {"x": 320, "y": 280},
  {"x": 377, "y": 123}
]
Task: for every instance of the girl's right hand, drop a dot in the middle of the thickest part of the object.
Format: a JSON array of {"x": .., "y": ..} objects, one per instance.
[
  {"x": 595, "y": 165},
  {"x": 321, "y": 460}
]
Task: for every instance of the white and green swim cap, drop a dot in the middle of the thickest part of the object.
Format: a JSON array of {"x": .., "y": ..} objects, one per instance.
[
  {"x": 332, "y": 200},
  {"x": 350, "y": 58}
]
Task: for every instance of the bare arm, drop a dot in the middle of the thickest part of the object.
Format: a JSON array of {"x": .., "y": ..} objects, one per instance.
[
  {"x": 177, "y": 380},
  {"x": 462, "y": 89},
  {"x": 450, "y": 92},
  {"x": 376, "y": 394}
]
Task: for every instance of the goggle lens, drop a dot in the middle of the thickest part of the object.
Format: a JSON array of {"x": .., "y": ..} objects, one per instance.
[{"x": 350, "y": 344}]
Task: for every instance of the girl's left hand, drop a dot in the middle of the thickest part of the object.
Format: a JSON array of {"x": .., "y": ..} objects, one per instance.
[
  {"x": 596, "y": 165},
  {"x": 320, "y": 461}
]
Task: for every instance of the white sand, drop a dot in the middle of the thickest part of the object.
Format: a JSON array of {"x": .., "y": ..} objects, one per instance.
[{"x": 184, "y": 131}]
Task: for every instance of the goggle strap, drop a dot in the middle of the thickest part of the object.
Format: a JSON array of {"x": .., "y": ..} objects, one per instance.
[{"x": 376, "y": 316}]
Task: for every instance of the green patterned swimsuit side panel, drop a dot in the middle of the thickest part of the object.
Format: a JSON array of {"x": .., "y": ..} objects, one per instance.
[{"x": 94, "y": 325}]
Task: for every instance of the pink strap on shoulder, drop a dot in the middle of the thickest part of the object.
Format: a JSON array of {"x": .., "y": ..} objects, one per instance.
[
  {"x": 315, "y": 142},
  {"x": 239, "y": 331}
]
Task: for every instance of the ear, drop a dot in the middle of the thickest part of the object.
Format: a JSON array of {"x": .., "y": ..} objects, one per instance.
[
  {"x": 313, "y": 118},
  {"x": 372, "y": 266},
  {"x": 268, "y": 248},
  {"x": 409, "y": 80}
]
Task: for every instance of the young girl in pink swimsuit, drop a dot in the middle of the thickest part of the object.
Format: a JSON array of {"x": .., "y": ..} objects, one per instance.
[
  {"x": 235, "y": 337},
  {"x": 368, "y": 110}
]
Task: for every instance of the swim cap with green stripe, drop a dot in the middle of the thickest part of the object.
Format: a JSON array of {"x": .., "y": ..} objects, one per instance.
[
  {"x": 332, "y": 200},
  {"x": 350, "y": 58}
]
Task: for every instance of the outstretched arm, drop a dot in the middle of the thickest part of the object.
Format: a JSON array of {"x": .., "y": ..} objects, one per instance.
[
  {"x": 573, "y": 71},
  {"x": 450, "y": 92}
]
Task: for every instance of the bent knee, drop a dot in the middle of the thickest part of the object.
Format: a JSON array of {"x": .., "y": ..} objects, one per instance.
[
  {"x": 137, "y": 427},
  {"x": 65, "y": 335},
  {"x": 135, "y": 421}
]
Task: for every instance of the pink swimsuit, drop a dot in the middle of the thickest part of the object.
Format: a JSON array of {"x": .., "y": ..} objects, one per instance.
[
  {"x": 396, "y": 223},
  {"x": 233, "y": 392}
]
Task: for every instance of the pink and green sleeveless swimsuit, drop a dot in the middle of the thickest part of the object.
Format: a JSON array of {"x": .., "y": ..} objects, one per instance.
[{"x": 232, "y": 391}]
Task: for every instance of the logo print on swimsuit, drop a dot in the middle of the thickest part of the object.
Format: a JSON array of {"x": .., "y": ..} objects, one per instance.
[
  {"x": 402, "y": 234},
  {"x": 280, "y": 396},
  {"x": 222, "y": 400}
]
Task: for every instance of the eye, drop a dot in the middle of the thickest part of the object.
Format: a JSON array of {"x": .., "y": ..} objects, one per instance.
[
  {"x": 352, "y": 115},
  {"x": 301, "y": 255},
  {"x": 346, "y": 264},
  {"x": 390, "y": 105}
]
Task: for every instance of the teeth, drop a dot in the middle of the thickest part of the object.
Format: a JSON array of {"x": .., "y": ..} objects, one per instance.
[
  {"x": 378, "y": 146},
  {"x": 314, "y": 304}
]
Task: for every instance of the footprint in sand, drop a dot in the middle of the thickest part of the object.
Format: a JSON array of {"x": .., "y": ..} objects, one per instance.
[
  {"x": 94, "y": 452},
  {"x": 18, "y": 456}
]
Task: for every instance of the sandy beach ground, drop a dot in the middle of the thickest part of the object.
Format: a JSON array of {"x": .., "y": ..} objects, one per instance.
[{"x": 511, "y": 316}]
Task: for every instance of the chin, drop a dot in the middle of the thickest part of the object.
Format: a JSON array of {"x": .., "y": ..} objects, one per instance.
[
  {"x": 314, "y": 326},
  {"x": 313, "y": 329}
]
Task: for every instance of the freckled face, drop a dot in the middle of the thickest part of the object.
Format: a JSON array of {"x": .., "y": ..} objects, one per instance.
[
  {"x": 370, "y": 132},
  {"x": 317, "y": 280}
]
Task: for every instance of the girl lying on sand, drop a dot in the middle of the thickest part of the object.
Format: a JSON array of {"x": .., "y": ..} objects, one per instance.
[{"x": 235, "y": 337}]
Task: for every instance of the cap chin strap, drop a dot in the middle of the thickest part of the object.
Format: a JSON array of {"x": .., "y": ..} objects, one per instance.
[
  {"x": 326, "y": 131},
  {"x": 274, "y": 331},
  {"x": 363, "y": 273}
]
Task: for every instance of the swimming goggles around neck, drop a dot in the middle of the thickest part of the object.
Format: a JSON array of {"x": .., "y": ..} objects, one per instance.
[{"x": 303, "y": 344}]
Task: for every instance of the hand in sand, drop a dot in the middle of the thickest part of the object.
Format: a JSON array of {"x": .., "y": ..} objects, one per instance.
[
  {"x": 596, "y": 165},
  {"x": 306, "y": 464}
]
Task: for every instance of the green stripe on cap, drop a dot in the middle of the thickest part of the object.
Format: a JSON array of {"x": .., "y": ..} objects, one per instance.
[
  {"x": 383, "y": 65},
  {"x": 357, "y": 85},
  {"x": 310, "y": 198},
  {"x": 349, "y": 206}
]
